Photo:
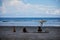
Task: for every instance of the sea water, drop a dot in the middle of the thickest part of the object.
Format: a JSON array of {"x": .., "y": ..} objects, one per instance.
[{"x": 29, "y": 21}]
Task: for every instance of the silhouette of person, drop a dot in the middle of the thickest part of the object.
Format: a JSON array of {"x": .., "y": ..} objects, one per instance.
[
  {"x": 24, "y": 30},
  {"x": 14, "y": 29},
  {"x": 39, "y": 29}
]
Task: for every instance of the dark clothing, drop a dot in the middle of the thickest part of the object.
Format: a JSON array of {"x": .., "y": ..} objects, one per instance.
[
  {"x": 24, "y": 30},
  {"x": 14, "y": 30},
  {"x": 39, "y": 29}
]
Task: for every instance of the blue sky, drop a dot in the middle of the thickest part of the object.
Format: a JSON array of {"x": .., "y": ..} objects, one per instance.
[
  {"x": 0, "y": 5},
  {"x": 30, "y": 8},
  {"x": 0, "y": 2},
  {"x": 44, "y": 2}
]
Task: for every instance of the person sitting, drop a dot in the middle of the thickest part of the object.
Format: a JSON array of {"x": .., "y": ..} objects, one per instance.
[
  {"x": 39, "y": 29},
  {"x": 46, "y": 30},
  {"x": 14, "y": 29},
  {"x": 24, "y": 30}
]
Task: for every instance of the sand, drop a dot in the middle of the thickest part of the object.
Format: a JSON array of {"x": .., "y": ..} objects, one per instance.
[{"x": 6, "y": 33}]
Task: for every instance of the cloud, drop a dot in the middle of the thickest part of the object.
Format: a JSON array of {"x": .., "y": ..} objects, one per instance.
[
  {"x": 0, "y": 8},
  {"x": 19, "y": 8}
]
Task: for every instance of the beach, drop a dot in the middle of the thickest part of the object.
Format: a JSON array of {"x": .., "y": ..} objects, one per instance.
[{"x": 6, "y": 33}]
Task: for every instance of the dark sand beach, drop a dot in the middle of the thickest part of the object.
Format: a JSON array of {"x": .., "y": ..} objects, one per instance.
[{"x": 6, "y": 33}]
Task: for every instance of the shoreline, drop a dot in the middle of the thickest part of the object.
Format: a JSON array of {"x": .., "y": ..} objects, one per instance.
[{"x": 29, "y": 26}]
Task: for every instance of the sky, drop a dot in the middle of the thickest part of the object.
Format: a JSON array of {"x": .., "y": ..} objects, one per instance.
[{"x": 29, "y": 8}]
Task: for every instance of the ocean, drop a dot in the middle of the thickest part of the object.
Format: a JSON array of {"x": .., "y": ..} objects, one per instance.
[
  {"x": 29, "y": 21},
  {"x": 31, "y": 24}
]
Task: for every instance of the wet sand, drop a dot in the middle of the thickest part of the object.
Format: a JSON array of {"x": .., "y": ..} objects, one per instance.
[{"x": 6, "y": 33}]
